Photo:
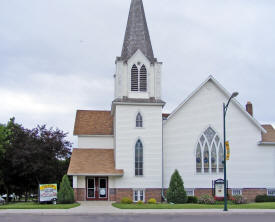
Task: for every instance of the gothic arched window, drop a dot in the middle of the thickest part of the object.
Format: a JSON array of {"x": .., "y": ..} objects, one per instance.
[
  {"x": 143, "y": 79},
  {"x": 139, "y": 122},
  {"x": 209, "y": 143},
  {"x": 134, "y": 78},
  {"x": 139, "y": 158}
]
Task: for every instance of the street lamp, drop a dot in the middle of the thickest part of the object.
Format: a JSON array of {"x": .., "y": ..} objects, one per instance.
[{"x": 225, "y": 107}]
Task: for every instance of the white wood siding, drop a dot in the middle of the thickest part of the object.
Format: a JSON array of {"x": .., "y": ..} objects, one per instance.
[
  {"x": 250, "y": 165},
  {"x": 96, "y": 142},
  {"x": 126, "y": 137}
]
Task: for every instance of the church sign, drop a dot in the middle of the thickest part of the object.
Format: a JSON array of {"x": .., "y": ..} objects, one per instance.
[
  {"x": 48, "y": 192},
  {"x": 218, "y": 189}
]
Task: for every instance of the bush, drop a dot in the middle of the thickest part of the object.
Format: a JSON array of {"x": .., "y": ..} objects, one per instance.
[
  {"x": 66, "y": 192},
  {"x": 126, "y": 200},
  {"x": 192, "y": 199},
  {"x": 206, "y": 199},
  {"x": 238, "y": 199},
  {"x": 152, "y": 201},
  {"x": 264, "y": 198},
  {"x": 176, "y": 193},
  {"x": 140, "y": 202}
]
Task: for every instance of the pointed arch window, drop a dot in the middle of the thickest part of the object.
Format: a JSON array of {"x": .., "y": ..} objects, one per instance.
[
  {"x": 139, "y": 121},
  {"x": 139, "y": 158},
  {"x": 138, "y": 79},
  {"x": 209, "y": 152}
]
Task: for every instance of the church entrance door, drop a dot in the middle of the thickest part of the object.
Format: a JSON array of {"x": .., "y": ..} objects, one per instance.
[{"x": 97, "y": 188}]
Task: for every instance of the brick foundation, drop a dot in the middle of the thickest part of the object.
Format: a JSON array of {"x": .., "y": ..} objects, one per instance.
[
  {"x": 250, "y": 194},
  {"x": 121, "y": 192},
  {"x": 153, "y": 193},
  {"x": 79, "y": 194}
]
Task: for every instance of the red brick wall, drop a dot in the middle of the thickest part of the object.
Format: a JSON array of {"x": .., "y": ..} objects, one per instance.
[
  {"x": 112, "y": 194},
  {"x": 201, "y": 191},
  {"x": 121, "y": 192},
  {"x": 79, "y": 194},
  {"x": 153, "y": 193},
  {"x": 250, "y": 194}
]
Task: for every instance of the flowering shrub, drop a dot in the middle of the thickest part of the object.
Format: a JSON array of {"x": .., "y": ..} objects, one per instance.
[
  {"x": 238, "y": 199},
  {"x": 206, "y": 199}
]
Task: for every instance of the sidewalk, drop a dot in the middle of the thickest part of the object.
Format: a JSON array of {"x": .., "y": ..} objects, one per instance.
[{"x": 96, "y": 208}]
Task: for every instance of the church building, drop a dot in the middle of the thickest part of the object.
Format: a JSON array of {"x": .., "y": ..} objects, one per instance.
[{"x": 132, "y": 149}]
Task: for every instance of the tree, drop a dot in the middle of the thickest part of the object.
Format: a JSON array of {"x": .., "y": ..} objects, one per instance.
[
  {"x": 176, "y": 193},
  {"x": 66, "y": 193},
  {"x": 34, "y": 156}
]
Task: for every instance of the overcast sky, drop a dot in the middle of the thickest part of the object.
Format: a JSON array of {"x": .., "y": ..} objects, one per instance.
[{"x": 59, "y": 56}]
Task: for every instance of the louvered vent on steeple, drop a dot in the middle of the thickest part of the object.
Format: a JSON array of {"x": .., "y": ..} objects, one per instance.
[
  {"x": 134, "y": 78},
  {"x": 143, "y": 79}
]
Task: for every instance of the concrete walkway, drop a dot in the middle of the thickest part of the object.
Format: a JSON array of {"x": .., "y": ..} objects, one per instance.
[{"x": 96, "y": 208}]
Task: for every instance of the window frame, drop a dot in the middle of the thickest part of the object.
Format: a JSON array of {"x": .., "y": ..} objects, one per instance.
[
  {"x": 139, "y": 191},
  {"x": 208, "y": 140},
  {"x": 237, "y": 191},
  {"x": 189, "y": 190},
  {"x": 138, "y": 68},
  {"x": 139, "y": 122},
  {"x": 270, "y": 190},
  {"x": 138, "y": 171}
]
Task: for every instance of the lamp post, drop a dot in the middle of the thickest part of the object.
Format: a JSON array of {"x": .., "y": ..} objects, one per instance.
[{"x": 225, "y": 107}]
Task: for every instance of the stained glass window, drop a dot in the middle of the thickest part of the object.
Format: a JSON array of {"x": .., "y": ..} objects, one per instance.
[
  {"x": 138, "y": 159},
  {"x": 206, "y": 158},
  {"x": 198, "y": 159},
  {"x": 209, "y": 152}
]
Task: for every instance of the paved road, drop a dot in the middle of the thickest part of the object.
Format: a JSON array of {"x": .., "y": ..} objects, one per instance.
[{"x": 267, "y": 217}]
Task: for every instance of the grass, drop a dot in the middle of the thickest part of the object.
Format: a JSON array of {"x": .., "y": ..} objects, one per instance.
[
  {"x": 32, "y": 205},
  {"x": 270, "y": 205}
]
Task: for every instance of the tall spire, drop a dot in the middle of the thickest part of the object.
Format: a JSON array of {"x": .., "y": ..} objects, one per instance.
[{"x": 137, "y": 33}]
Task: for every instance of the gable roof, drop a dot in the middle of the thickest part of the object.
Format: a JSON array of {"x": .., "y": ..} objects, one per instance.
[
  {"x": 93, "y": 162},
  {"x": 219, "y": 86},
  {"x": 268, "y": 137},
  {"x": 137, "y": 33},
  {"x": 93, "y": 122}
]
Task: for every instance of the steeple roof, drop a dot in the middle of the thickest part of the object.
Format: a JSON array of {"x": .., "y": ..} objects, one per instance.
[{"x": 137, "y": 33}]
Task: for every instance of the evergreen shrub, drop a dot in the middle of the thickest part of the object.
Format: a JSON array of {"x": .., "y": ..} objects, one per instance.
[
  {"x": 176, "y": 193},
  {"x": 192, "y": 199},
  {"x": 265, "y": 198},
  {"x": 66, "y": 192}
]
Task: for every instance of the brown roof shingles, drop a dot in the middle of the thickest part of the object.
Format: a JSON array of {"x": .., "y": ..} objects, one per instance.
[
  {"x": 268, "y": 137},
  {"x": 93, "y": 162},
  {"x": 93, "y": 122}
]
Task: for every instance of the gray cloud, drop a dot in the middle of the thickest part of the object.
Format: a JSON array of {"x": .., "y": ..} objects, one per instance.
[{"x": 58, "y": 56}]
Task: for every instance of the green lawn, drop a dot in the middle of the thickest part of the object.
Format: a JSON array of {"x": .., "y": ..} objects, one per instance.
[
  {"x": 195, "y": 206},
  {"x": 32, "y": 205}
]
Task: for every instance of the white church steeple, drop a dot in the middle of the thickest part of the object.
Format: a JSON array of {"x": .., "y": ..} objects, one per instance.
[{"x": 138, "y": 74}]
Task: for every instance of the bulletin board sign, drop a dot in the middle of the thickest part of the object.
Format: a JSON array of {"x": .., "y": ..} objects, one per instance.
[{"x": 48, "y": 192}]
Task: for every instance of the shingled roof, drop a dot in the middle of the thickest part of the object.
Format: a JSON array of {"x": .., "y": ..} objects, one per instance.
[
  {"x": 137, "y": 34},
  {"x": 93, "y": 162},
  {"x": 268, "y": 137},
  {"x": 93, "y": 122}
]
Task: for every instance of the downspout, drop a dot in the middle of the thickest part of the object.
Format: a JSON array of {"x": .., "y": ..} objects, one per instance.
[{"x": 162, "y": 165}]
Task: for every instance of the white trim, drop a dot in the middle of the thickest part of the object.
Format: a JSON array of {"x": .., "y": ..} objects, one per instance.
[
  {"x": 266, "y": 143},
  {"x": 94, "y": 135},
  {"x": 92, "y": 175},
  {"x": 211, "y": 78}
]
